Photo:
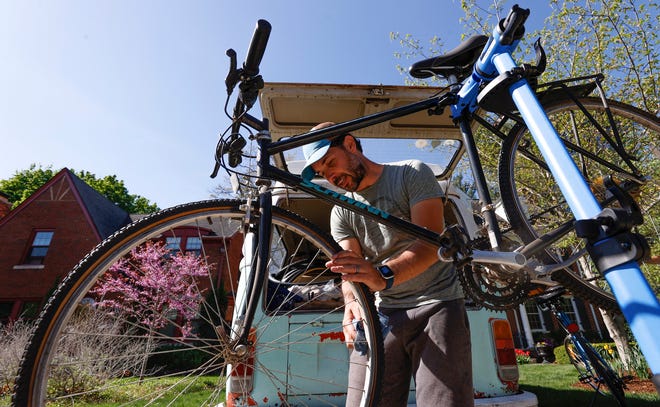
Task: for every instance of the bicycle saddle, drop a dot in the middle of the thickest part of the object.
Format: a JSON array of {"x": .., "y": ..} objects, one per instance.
[{"x": 458, "y": 61}]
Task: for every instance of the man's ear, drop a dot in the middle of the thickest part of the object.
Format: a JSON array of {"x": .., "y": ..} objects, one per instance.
[{"x": 350, "y": 143}]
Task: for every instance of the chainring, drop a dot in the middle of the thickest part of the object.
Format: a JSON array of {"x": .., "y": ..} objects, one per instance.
[{"x": 493, "y": 287}]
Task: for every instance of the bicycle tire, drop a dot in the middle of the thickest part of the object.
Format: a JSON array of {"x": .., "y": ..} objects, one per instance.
[
  {"x": 111, "y": 373},
  {"x": 607, "y": 375},
  {"x": 593, "y": 370},
  {"x": 581, "y": 364},
  {"x": 534, "y": 204}
]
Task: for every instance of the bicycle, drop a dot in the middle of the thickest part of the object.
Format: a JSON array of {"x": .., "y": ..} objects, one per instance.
[
  {"x": 592, "y": 368},
  {"x": 281, "y": 249}
]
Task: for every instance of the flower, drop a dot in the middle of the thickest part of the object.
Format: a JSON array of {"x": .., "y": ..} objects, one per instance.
[
  {"x": 522, "y": 356},
  {"x": 545, "y": 342}
]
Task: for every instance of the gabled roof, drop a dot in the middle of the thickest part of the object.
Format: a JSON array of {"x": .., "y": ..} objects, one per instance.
[{"x": 104, "y": 216}]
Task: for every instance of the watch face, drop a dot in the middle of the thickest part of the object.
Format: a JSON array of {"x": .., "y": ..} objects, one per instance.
[{"x": 386, "y": 272}]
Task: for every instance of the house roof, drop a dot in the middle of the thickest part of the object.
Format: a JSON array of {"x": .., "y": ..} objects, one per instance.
[{"x": 104, "y": 216}]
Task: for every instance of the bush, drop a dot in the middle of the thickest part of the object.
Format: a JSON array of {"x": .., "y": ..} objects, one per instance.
[
  {"x": 93, "y": 354},
  {"x": 14, "y": 338},
  {"x": 561, "y": 357},
  {"x": 176, "y": 358}
]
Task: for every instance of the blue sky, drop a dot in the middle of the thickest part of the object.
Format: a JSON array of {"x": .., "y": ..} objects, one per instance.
[{"x": 136, "y": 88}]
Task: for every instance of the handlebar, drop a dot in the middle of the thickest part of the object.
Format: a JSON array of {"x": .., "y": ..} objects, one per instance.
[
  {"x": 257, "y": 48},
  {"x": 250, "y": 84}
]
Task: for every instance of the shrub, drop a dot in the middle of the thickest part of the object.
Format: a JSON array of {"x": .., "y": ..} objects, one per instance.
[
  {"x": 99, "y": 347},
  {"x": 14, "y": 338},
  {"x": 176, "y": 358},
  {"x": 561, "y": 356}
]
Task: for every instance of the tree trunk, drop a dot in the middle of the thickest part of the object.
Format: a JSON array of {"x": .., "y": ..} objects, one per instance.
[{"x": 614, "y": 322}]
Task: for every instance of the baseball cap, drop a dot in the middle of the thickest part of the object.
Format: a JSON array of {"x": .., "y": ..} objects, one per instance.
[{"x": 313, "y": 152}]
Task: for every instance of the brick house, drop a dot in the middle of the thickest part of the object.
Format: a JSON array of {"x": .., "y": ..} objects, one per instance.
[
  {"x": 43, "y": 238},
  {"x": 530, "y": 324}
]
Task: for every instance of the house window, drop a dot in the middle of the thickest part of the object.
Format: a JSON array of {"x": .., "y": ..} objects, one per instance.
[
  {"x": 173, "y": 244},
  {"x": 566, "y": 305},
  {"x": 39, "y": 247},
  {"x": 534, "y": 317},
  {"x": 194, "y": 245}
]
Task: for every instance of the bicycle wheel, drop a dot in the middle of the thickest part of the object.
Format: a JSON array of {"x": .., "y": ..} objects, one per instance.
[
  {"x": 138, "y": 321},
  {"x": 607, "y": 375},
  {"x": 581, "y": 364},
  {"x": 593, "y": 370},
  {"x": 534, "y": 204}
]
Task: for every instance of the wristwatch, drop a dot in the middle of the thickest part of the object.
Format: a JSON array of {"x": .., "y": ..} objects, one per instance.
[{"x": 387, "y": 274}]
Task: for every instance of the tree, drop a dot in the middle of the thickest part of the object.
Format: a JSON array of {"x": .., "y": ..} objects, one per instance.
[
  {"x": 616, "y": 37},
  {"x": 151, "y": 282},
  {"x": 24, "y": 183}
]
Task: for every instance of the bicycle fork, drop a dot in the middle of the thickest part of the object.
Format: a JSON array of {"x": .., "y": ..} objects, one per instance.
[
  {"x": 613, "y": 256},
  {"x": 256, "y": 249}
]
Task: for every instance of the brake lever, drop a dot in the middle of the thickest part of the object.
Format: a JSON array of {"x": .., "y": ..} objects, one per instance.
[{"x": 234, "y": 74}]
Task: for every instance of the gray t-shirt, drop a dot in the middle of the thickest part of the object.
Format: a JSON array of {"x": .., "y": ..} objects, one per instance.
[{"x": 400, "y": 186}]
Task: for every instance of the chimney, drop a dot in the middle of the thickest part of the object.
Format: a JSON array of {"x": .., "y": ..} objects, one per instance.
[{"x": 5, "y": 205}]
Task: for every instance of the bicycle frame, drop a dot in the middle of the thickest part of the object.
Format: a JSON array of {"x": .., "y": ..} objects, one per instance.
[{"x": 633, "y": 293}]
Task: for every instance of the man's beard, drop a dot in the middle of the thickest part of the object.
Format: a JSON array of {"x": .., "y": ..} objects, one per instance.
[{"x": 358, "y": 172}]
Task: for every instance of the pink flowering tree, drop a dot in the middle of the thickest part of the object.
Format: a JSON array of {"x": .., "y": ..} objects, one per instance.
[{"x": 152, "y": 282}]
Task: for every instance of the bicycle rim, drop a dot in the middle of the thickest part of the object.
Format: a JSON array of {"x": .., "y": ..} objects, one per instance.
[
  {"x": 535, "y": 205},
  {"x": 607, "y": 375},
  {"x": 119, "y": 333},
  {"x": 581, "y": 364}
]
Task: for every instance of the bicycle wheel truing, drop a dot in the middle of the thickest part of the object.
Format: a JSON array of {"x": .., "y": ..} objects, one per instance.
[
  {"x": 123, "y": 345},
  {"x": 535, "y": 205}
]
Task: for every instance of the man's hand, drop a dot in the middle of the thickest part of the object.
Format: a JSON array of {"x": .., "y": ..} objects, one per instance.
[
  {"x": 356, "y": 269},
  {"x": 351, "y": 313}
]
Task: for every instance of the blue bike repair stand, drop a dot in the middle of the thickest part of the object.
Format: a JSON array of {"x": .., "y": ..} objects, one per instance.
[{"x": 633, "y": 293}]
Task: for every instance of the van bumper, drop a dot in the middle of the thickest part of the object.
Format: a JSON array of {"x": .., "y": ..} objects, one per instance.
[{"x": 524, "y": 399}]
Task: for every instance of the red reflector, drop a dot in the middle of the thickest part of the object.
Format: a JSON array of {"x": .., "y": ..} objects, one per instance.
[
  {"x": 506, "y": 356},
  {"x": 573, "y": 327}
]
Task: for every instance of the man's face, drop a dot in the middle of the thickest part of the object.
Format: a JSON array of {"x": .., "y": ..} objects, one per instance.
[{"x": 341, "y": 167}]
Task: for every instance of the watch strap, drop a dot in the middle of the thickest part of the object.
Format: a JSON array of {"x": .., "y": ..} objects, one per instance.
[{"x": 387, "y": 274}]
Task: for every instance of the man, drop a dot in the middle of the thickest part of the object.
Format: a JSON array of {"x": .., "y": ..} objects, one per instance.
[{"x": 429, "y": 338}]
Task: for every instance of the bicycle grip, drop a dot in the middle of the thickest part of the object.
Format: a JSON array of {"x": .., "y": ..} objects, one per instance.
[
  {"x": 512, "y": 27},
  {"x": 257, "y": 48}
]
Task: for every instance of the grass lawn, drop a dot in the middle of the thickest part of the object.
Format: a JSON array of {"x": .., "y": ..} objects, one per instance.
[{"x": 554, "y": 386}]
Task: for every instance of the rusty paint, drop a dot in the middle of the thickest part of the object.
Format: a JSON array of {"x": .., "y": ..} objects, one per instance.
[
  {"x": 512, "y": 386},
  {"x": 479, "y": 395},
  {"x": 336, "y": 336},
  {"x": 235, "y": 399}
]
